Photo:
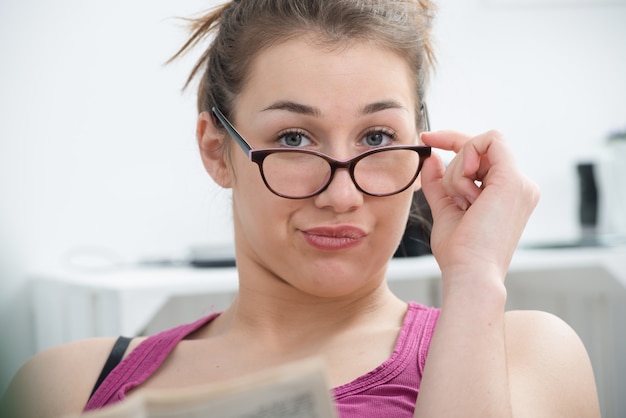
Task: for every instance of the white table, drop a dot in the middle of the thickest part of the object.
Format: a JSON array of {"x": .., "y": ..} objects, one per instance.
[{"x": 584, "y": 286}]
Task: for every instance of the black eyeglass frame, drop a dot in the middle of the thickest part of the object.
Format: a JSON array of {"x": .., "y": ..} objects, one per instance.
[{"x": 258, "y": 156}]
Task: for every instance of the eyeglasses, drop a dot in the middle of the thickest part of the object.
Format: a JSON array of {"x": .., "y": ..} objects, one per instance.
[{"x": 302, "y": 173}]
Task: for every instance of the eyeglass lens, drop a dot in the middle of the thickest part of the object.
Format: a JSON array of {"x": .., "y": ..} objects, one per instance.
[{"x": 299, "y": 174}]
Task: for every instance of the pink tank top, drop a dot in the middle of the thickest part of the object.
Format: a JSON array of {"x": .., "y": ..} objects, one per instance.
[{"x": 390, "y": 390}]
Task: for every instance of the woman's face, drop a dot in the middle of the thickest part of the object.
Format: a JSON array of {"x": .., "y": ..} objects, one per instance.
[{"x": 340, "y": 102}]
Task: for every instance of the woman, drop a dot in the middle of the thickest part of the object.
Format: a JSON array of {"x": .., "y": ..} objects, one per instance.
[{"x": 326, "y": 101}]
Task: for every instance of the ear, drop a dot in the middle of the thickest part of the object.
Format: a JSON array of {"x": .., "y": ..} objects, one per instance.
[{"x": 212, "y": 150}]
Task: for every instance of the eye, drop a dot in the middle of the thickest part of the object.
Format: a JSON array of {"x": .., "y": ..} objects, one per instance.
[
  {"x": 294, "y": 139},
  {"x": 378, "y": 137}
]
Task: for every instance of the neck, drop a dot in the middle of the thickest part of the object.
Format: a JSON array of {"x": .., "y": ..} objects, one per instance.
[{"x": 284, "y": 317}]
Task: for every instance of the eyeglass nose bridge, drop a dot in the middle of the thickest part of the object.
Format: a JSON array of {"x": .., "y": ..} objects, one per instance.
[{"x": 338, "y": 165}]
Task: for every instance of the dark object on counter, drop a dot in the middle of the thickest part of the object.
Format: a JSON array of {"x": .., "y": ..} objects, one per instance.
[{"x": 588, "y": 205}]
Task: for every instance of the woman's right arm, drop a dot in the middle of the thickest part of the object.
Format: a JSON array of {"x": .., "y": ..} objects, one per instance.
[
  {"x": 56, "y": 381},
  {"x": 482, "y": 361}
]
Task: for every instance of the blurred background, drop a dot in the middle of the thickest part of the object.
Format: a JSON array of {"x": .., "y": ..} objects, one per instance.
[{"x": 98, "y": 158}]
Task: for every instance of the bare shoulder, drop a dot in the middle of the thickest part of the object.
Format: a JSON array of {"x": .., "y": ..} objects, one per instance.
[
  {"x": 549, "y": 369},
  {"x": 58, "y": 380}
]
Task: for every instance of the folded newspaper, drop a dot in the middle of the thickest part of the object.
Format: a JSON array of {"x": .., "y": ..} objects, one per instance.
[{"x": 293, "y": 390}]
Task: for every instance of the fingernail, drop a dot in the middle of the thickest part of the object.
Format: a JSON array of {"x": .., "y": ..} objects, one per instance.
[{"x": 460, "y": 203}]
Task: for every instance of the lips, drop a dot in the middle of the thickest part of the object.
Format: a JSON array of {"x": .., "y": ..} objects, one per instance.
[{"x": 334, "y": 238}]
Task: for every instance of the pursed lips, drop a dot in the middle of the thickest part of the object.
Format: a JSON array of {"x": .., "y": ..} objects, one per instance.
[{"x": 332, "y": 238}]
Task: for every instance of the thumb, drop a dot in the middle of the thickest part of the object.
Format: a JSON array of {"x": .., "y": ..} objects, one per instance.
[{"x": 432, "y": 175}]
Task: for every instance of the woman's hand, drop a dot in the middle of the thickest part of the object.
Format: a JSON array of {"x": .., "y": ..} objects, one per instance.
[
  {"x": 495, "y": 364},
  {"x": 480, "y": 202}
]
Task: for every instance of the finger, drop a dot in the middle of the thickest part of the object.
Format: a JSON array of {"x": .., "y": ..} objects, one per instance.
[
  {"x": 445, "y": 140},
  {"x": 439, "y": 191},
  {"x": 474, "y": 147},
  {"x": 459, "y": 178},
  {"x": 483, "y": 152},
  {"x": 477, "y": 162},
  {"x": 458, "y": 185},
  {"x": 432, "y": 175},
  {"x": 462, "y": 172}
]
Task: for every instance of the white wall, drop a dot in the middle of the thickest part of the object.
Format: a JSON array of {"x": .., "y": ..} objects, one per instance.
[
  {"x": 97, "y": 145},
  {"x": 553, "y": 79},
  {"x": 97, "y": 142}
]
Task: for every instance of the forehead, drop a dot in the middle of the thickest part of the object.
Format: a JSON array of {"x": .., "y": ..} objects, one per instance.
[{"x": 301, "y": 69}]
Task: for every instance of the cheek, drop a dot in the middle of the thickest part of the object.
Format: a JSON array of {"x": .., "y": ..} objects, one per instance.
[
  {"x": 398, "y": 218},
  {"x": 247, "y": 183},
  {"x": 258, "y": 212},
  {"x": 250, "y": 200}
]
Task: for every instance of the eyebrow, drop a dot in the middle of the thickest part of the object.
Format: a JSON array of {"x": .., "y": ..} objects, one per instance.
[
  {"x": 303, "y": 109},
  {"x": 295, "y": 108},
  {"x": 380, "y": 106}
]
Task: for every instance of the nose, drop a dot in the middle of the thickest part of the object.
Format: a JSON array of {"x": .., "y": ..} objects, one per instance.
[{"x": 341, "y": 194}]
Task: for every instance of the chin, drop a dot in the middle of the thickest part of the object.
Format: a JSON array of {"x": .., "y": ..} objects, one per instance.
[{"x": 340, "y": 278}]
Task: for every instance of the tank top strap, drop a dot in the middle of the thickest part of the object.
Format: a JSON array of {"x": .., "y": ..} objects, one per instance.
[
  {"x": 141, "y": 363},
  {"x": 424, "y": 324}
]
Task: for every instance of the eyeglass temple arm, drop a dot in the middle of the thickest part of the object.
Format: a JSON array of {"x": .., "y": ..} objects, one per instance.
[{"x": 232, "y": 131}]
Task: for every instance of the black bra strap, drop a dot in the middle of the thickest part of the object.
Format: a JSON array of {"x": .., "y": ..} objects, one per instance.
[{"x": 116, "y": 356}]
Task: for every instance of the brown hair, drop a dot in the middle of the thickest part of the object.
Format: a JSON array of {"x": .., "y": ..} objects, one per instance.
[{"x": 241, "y": 29}]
